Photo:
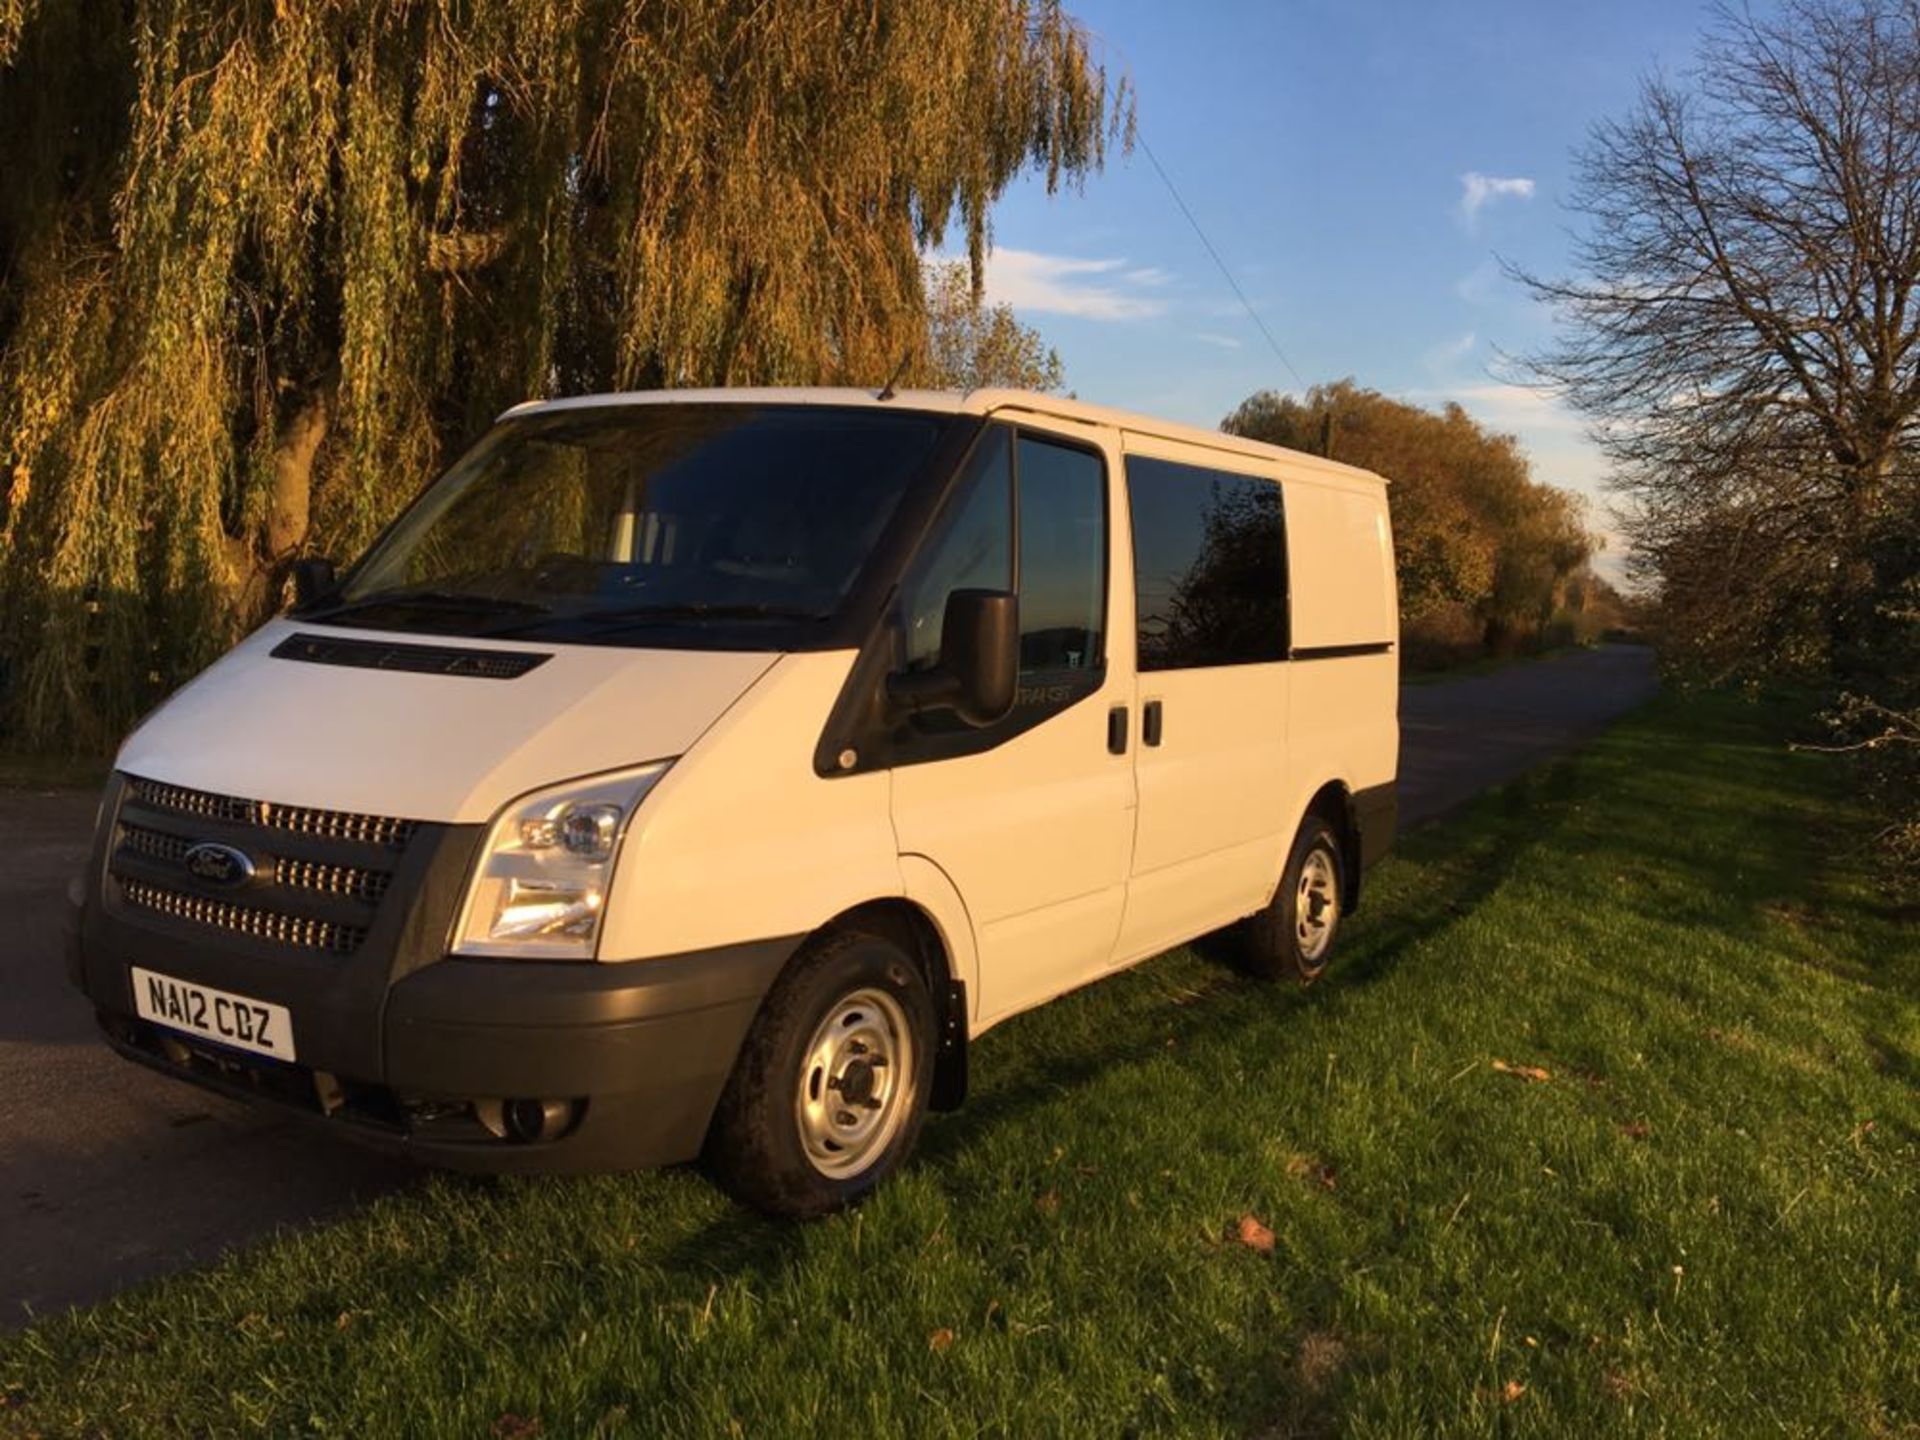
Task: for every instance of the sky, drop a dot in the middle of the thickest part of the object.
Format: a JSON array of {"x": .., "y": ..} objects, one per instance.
[{"x": 1362, "y": 168}]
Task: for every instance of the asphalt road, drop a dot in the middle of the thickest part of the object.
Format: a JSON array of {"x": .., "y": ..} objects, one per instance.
[
  {"x": 110, "y": 1174},
  {"x": 1459, "y": 737}
]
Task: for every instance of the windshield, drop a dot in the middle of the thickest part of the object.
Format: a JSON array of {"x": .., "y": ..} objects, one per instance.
[{"x": 604, "y": 524}]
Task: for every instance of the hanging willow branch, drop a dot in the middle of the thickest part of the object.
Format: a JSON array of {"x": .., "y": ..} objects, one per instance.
[{"x": 261, "y": 267}]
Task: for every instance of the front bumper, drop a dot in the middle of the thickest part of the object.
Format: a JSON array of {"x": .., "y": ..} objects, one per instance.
[
  {"x": 407, "y": 1049},
  {"x": 639, "y": 1051}
]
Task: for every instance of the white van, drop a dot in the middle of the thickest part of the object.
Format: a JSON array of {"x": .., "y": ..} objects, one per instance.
[{"x": 700, "y": 772}]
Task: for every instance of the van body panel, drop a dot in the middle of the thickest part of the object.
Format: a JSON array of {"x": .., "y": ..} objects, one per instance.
[
  {"x": 1212, "y": 821},
  {"x": 1188, "y": 899},
  {"x": 742, "y": 839},
  {"x": 1340, "y": 564},
  {"x": 1037, "y": 835},
  {"x": 447, "y": 748}
]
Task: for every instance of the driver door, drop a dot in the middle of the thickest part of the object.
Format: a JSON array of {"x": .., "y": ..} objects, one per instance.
[{"x": 1030, "y": 818}]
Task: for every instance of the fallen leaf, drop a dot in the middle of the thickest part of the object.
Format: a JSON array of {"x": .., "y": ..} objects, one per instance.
[
  {"x": 1049, "y": 1203},
  {"x": 940, "y": 1341},
  {"x": 1636, "y": 1130},
  {"x": 516, "y": 1427},
  {"x": 1524, "y": 1072},
  {"x": 1512, "y": 1391},
  {"x": 1254, "y": 1235},
  {"x": 1328, "y": 1180}
]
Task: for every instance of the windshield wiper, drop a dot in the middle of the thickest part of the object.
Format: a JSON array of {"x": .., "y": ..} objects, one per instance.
[
  {"x": 666, "y": 613},
  {"x": 436, "y": 600}
]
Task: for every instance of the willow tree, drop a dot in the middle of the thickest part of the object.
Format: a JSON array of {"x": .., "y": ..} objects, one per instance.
[{"x": 263, "y": 264}]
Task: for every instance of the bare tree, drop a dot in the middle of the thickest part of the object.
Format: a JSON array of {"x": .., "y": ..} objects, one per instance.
[{"x": 1743, "y": 325}]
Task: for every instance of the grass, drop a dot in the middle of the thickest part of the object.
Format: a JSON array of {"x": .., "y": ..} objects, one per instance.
[{"x": 1704, "y": 1220}]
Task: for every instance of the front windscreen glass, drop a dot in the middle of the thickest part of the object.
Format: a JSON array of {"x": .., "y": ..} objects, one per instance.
[{"x": 611, "y": 523}]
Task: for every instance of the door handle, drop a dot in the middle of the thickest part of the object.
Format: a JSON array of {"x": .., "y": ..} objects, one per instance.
[
  {"x": 1117, "y": 730},
  {"x": 1150, "y": 723}
]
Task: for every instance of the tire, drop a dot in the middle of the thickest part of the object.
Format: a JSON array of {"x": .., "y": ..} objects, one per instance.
[
  {"x": 780, "y": 1141},
  {"x": 1294, "y": 937}
]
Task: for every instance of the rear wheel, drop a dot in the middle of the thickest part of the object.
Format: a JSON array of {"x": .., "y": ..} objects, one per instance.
[
  {"x": 831, "y": 1086},
  {"x": 1293, "y": 938}
]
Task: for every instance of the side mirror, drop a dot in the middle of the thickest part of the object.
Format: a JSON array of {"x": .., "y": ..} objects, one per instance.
[
  {"x": 979, "y": 668},
  {"x": 313, "y": 578}
]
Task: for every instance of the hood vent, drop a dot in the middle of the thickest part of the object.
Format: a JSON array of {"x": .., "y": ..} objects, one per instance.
[{"x": 419, "y": 659}]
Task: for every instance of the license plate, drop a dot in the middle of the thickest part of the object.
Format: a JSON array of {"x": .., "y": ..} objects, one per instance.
[{"x": 226, "y": 1019}]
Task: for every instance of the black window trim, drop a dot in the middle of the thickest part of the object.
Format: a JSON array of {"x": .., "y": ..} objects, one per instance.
[{"x": 1287, "y": 651}]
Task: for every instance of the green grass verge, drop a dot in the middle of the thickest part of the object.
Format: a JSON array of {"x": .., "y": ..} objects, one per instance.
[{"x": 1705, "y": 1220}]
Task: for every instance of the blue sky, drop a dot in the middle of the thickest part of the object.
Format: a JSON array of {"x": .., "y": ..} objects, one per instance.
[{"x": 1328, "y": 149}]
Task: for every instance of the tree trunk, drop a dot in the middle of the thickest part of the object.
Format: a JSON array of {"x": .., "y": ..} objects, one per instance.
[
  {"x": 260, "y": 560},
  {"x": 290, "y": 502}
]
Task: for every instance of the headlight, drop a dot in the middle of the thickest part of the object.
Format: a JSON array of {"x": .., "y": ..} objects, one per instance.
[{"x": 541, "y": 884}]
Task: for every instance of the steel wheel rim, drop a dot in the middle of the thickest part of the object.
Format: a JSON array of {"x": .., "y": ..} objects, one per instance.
[
  {"x": 856, "y": 1083},
  {"x": 1316, "y": 905}
]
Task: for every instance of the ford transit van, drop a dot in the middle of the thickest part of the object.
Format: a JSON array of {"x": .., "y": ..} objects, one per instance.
[{"x": 703, "y": 772}]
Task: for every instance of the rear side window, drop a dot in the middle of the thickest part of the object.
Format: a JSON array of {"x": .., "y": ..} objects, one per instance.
[{"x": 1209, "y": 564}]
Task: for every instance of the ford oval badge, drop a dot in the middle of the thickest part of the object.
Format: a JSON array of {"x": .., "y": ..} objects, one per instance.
[{"x": 218, "y": 864}]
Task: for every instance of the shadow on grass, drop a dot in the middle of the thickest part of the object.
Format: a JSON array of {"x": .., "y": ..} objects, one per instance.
[{"x": 1132, "y": 1018}]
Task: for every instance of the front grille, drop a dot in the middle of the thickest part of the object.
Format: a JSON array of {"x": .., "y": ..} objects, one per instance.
[
  {"x": 313, "y": 875},
  {"x": 318, "y": 877},
  {"x": 367, "y": 885},
  {"x": 300, "y": 930},
  {"x": 156, "y": 843},
  {"x": 329, "y": 824}
]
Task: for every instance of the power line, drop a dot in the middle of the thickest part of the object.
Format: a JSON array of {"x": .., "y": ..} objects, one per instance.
[{"x": 1225, "y": 274}]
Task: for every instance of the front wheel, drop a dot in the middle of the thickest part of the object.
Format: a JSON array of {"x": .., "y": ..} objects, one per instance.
[
  {"x": 1293, "y": 938},
  {"x": 831, "y": 1086}
]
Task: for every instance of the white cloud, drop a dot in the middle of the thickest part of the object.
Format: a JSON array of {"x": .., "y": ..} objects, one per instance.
[
  {"x": 1213, "y": 337},
  {"x": 1477, "y": 190},
  {"x": 1521, "y": 408},
  {"x": 1072, "y": 285},
  {"x": 1443, "y": 357}
]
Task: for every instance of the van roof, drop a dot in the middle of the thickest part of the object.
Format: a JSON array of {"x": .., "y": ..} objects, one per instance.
[{"x": 991, "y": 401}]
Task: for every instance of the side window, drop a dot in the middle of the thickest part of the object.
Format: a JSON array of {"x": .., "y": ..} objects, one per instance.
[
  {"x": 1063, "y": 558},
  {"x": 971, "y": 550},
  {"x": 1210, "y": 566}
]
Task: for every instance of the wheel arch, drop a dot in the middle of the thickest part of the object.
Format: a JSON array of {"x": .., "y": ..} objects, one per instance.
[
  {"x": 915, "y": 930},
  {"x": 1333, "y": 803}
]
